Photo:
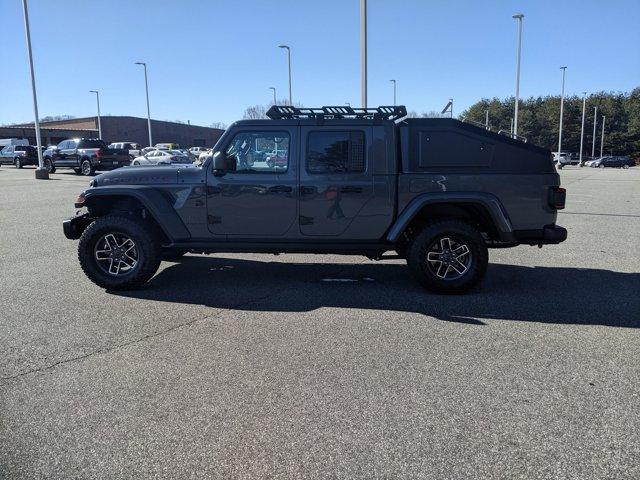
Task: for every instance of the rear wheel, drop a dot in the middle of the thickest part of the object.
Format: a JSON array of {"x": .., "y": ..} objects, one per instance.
[
  {"x": 118, "y": 253},
  {"x": 48, "y": 165},
  {"x": 625, "y": 166},
  {"x": 448, "y": 256},
  {"x": 86, "y": 168},
  {"x": 601, "y": 166},
  {"x": 18, "y": 163}
]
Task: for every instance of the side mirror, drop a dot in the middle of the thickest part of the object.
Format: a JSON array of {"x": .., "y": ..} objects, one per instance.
[{"x": 223, "y": 163}]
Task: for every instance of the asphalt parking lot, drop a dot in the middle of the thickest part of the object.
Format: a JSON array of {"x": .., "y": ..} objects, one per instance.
[{"x": 260, "y": 366}]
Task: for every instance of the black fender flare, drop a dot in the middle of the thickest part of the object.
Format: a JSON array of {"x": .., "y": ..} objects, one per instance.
[
  {"x": 490, "y": 202},
  {"x": 153, "y": 201}
]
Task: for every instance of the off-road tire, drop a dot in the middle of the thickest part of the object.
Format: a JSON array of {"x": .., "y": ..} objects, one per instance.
[
  {"x": 48, "y": 165},
  {"x": 147, "y": 245},
  {"x": 464, "y": 233}
]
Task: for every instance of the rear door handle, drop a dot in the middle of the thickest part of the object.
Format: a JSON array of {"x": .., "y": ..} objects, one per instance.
[
  {"x": 350, "y": 189},
  {"x": 280, "y": 189}
]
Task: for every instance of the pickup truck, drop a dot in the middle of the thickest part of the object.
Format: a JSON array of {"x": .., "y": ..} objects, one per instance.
[
  {"x": 132, "y": 148},
  {"x": 364, "y": 181},
  {"x": 85, "y": 156}
]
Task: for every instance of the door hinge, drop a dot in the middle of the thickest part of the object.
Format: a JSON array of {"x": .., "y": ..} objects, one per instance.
[
  {"x": 305, "y": 220},
  {"x": 211, "y": 219}
]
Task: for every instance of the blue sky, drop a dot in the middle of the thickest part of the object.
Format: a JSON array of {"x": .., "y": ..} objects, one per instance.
[{"x": 208, "y": 60}]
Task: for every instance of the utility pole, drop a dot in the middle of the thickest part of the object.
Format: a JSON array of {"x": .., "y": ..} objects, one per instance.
[
  {"x": 486, "y": 119},
  {"x": 595, "y": 125},
  {"x": 41, "y": 172},
  {"x": 275, "y": 102},
  {"x": 602, "y": 137},
  {"x": 564, "y": 71},
  {"x": 394, "y": 91},
  {"x": 98, "y": 101},
  {"x": 286, "y": 47},
  {"x": 584, "y": 106},
  {"x": 146, "y": 86},
  {"x": 518, "y": 17},
  {"x": 363, "y": 51}
]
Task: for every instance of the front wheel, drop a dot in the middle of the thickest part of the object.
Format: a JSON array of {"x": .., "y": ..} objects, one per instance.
[
  {"x": 448, "y": 256},
  {"x": 601, "y": 166},
  {"x": 18, "y": 163},
  {"x": 118, "y": 253},
  {"x": 625, "y": 166}
]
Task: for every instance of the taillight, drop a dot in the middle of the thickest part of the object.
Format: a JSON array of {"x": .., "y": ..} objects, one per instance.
[
  {"x": 99, "y": 153},
  {"x": 557, "y": 197}
]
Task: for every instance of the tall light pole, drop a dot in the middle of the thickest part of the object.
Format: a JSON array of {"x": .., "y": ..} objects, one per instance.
[
  {"x": 486, "y": 119},
  {"x": 602, "y": 137},
  {"x": 518, "y": 17},
  {"x": 286, "y": 47},
  {"x": 98, "y": 101},
  {"x": 394, "y": 91},
  {"x": 564, "y": 71},
  {"x": 41, "y": 172},
  {"x": 584, "y": 106},
  {"x": 146, "y": 86},
  {"x": 595, "y": 125},
  {"x": 363, "y": 51},
  {"x": 275, "y": 102}
]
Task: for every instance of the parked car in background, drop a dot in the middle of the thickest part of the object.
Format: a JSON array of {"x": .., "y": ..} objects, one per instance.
[
  {"x": 133, "y": 148},
  {"x": 613, "y": 161},
  {"x": 85, "y": 156},
  {"x": 196, "y": 151},
  {"x": 19, "y": 155},
  {"x": 167, "y": 146},
  {"x": 564, "y": 159},
  {"x": 203, "y": 156},
  {"x": 162, "y": 157},
  {"x": 5, "y": 142}
]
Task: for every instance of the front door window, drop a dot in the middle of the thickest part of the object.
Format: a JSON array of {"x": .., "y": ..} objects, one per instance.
[{"x": 260, "y": 152}]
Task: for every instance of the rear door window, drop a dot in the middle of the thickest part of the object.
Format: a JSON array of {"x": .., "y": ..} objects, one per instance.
[{"x": 335, "y": 152}]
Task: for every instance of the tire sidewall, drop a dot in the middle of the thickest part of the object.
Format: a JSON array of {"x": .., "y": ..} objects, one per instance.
[
  {"x": 418, "y": 249},
  {"x": 147, "y": 248},
  {"x": 18, "y": 163}
]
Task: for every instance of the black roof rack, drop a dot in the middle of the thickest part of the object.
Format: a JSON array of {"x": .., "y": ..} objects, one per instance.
[{"x": 278, "y": 112}]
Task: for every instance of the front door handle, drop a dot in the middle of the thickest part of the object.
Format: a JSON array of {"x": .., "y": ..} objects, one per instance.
[
  {"x": 280, "y": 189},
  {"x": 350, "y": 189}
]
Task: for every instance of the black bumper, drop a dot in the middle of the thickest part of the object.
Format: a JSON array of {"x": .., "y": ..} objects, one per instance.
[
  {"x": 549, "y": 235},
  {"x": 74, "y": 226}
]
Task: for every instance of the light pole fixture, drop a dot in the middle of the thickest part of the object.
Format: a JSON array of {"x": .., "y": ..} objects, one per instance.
[
  {"x": 41, "y": 172},
  {"x": 98, "y": 102},
  {"x": 518, "y": 17},
  {"x": 286, "y": 47},
  {"x": 394, "y": 91},
  {"x": 564, "y": 71},
  {"x": 584, "y": 106},
  {"x": 595, "y": 125},
  {"x": 274, "y": 95},
  {"x": 363, "y": 51},
  {"x": 146, "y": 86},
  {"x": 602, "y": 136}
]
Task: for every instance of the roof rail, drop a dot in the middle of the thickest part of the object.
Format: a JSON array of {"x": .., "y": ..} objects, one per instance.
[
  {"x": 473, "y": 122},
  {"x": 512, "y": 135},
  {"x": 277, "y": 112}
]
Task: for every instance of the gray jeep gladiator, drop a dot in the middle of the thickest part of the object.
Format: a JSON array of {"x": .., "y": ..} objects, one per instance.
[{"x": 341, "y": 180}]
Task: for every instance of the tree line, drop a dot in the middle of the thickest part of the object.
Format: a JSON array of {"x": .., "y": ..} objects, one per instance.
[{"x": 539, "y": 120}]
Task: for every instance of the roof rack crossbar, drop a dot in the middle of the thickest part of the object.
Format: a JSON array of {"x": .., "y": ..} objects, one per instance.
[{"x": 278, "y": 112}]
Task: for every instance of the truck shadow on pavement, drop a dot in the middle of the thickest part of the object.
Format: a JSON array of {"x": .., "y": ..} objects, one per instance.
[{"x": 509, "y": 292}]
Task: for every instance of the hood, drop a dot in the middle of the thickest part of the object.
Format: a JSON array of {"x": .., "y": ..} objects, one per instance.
[{"x": 152, "y": 175}]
